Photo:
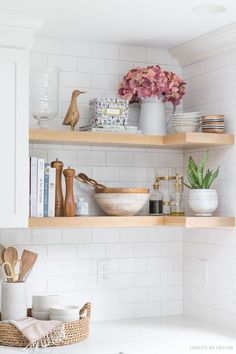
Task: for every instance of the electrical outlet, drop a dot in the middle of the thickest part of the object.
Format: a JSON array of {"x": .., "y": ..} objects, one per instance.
[{"x": 103, "y": 270}]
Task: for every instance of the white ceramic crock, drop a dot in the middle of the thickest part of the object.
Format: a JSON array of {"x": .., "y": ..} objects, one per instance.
[
  {"x": 203, "y": 202},
  {"x": 152, "y": 116},
  {"x": 14, "y": 301}
]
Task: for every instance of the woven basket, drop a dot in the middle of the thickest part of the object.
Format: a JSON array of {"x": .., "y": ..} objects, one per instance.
[{"x": 75, "y": 331}]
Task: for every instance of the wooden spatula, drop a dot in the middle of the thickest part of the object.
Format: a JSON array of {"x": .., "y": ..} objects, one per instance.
[
  {"x": 2, "y": 250},
  {"x": 10, "y": 255},
  {"x": 28, "y": 260}
]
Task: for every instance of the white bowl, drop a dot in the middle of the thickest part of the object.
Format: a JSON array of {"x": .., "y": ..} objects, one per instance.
[
  {"x": 121, "y": 204},
  {"x": 185, "y": 128},
  {"x": 64, "y": 318},
  {"x": 65, "y": 310},
  {"x": 64, "y": 313},
  {"x": 46, "y": 299},
  {"x": 41, "y": 315}
]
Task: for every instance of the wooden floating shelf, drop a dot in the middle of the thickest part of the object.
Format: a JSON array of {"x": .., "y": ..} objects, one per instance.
[
  {"x": 132, "y": 221},
  {"x": 180, "y": 140}
]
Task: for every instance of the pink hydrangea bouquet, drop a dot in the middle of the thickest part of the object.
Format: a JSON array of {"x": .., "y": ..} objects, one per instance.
[{"x": 152, "y": 81}]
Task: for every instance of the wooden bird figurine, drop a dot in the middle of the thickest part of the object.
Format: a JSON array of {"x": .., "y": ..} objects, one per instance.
[{"x": 72, "y": 115}]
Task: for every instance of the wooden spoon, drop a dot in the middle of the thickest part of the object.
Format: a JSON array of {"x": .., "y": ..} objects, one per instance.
[
  {"x": 28, "y": 260},
  {"x": 10, "y": 255},
  {"x": 2, "y": 250}
]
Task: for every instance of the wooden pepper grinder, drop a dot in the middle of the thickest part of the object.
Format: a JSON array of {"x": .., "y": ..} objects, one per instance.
[
  {"x": 59, "y": 207},
  {"x": 69, "y": 208}
]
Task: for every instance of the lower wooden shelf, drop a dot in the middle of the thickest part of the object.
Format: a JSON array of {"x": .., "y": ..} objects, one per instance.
[{"x": 132, "y": 221}]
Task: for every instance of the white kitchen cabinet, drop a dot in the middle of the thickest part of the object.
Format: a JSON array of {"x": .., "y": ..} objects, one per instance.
[{"x": 14, "y": 108}]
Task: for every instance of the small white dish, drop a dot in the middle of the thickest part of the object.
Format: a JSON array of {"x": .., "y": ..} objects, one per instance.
[{"x": 65, "y": 313}]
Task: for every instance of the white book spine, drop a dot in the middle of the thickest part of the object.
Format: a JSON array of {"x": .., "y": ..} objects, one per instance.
[
  {"x": 33, "y": 185},
  {"x": 52, "y": 192},
  {"x": 40, "y": 196}
]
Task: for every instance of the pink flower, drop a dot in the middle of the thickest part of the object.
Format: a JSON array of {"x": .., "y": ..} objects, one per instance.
[{"x": 152, "y": 81}]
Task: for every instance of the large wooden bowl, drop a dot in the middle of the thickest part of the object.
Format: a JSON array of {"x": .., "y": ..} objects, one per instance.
[{"x": 121, "y": 201}]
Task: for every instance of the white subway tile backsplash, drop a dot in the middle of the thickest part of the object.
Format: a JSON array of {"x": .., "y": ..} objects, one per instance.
[
  {"x": 105, "y": 81},
  {"x": 171, "y": 308},
  {"x": 147, "y": 249},
  {"x": 117, "y": 67},
  {"x": 74, "y": 236},
  {"x": 131, "y": 296},
  {"x": 76, "y": 80},
  {"x": 147, "y": 310},
  {"x": 68, "y": 258},
  {"x": 119, "y": 158},
  {"x": 91, "y": 65},
  {"x": 105, "y": 235},
  {"x": 132, "y": 53},
  {"x": 15, "y": 237},
  {"x": 48, "y": 236},
  {"x": 104, "y": 50},
  {"x": 143, "y": 280},
  {"x": 62, "y": 62},
  {"x": 159, "y": 56},
  {"x": 61, "y": 252},
  {"x": 120, "y": 250},
  {"x": 121, "y": 311},
  {"x": 210, "y": 90}
]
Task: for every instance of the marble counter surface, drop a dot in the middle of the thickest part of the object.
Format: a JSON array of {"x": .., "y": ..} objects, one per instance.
[{"x": 169, "y": 335}]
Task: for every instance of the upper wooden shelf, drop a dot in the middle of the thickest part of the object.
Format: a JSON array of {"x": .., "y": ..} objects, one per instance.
[
  {"x": 180, "y": 140},
  {"x": 132, "y": 221}
]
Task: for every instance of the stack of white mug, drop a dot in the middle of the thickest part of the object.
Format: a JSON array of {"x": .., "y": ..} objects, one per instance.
[{"x": 41, "y": 305}]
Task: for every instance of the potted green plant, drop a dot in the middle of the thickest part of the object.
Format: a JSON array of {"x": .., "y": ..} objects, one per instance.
[{"x": 202, "y": 200}]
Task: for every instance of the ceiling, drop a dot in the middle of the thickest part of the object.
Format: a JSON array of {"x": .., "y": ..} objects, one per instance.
[{"x": 162, "y": 23}]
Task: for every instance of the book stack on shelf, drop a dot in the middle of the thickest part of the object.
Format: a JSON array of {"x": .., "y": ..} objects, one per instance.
[{"x": 42, "y": 188}]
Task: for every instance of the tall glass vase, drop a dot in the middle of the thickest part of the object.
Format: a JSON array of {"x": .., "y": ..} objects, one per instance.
[
  {"x": 44, "y": 94},
  {"x": 152, "y": 119}
]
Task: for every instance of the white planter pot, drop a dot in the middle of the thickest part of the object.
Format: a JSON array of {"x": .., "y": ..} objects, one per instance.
[
  {"x": 203, "y": 202},
  {"x": 13, "y": 301},
  {"x": 152, "y": 116}
]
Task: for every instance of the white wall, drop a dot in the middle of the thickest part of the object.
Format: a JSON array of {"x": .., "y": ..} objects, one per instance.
[
  {"x": 211, "y": 89},
  {"x": 146, "y": 264}
]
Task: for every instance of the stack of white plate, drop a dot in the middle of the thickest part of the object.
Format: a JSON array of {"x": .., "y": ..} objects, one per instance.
[
  {"x": 186, "y": 122},
  {"x": 41, "y": 305}
]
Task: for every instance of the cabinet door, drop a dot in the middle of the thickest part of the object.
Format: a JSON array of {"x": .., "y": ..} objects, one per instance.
[{"x": 14, "y": 110}]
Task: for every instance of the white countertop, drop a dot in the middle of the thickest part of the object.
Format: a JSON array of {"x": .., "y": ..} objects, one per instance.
[{"x": 169, "y": 335}]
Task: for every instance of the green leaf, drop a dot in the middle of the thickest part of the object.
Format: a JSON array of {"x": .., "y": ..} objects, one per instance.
[
  {"x": 213, "y": 176},
  {"x": 201, "y": 168},
  {"x": 206, "y": 179},
  {"x": 193, "y": 170},
  {"x": 192, "y": 179}
]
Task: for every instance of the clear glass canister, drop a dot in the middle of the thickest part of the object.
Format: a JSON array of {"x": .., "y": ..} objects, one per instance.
[{"x": 44, "y": 94}]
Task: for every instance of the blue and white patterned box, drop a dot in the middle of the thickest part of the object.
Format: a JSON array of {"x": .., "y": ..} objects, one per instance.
[{"x": 108, "y": 111}]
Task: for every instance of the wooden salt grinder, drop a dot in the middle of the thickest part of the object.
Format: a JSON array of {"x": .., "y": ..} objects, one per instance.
[
  {"x": 69, "y": 209},
  {"x": 59, "y": 207}
]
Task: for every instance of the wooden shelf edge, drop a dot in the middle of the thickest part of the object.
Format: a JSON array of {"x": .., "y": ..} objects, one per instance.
[
  {"x": 96, "y": 221},
  {"x": 132, "y": 221},
  {"x": 180, "y": 140},
  {"x": 210, "y": 222},
  {"x": 47, "y": 136}
]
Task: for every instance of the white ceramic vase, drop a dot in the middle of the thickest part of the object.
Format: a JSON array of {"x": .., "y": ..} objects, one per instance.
[
  {"x": 152, "y": 119},
  {"x": 13, "y": 301},
  {"x": 203, "y": 202}
]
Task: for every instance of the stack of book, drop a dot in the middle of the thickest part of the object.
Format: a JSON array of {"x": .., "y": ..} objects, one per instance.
[{"x": 42, "y": 188}]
